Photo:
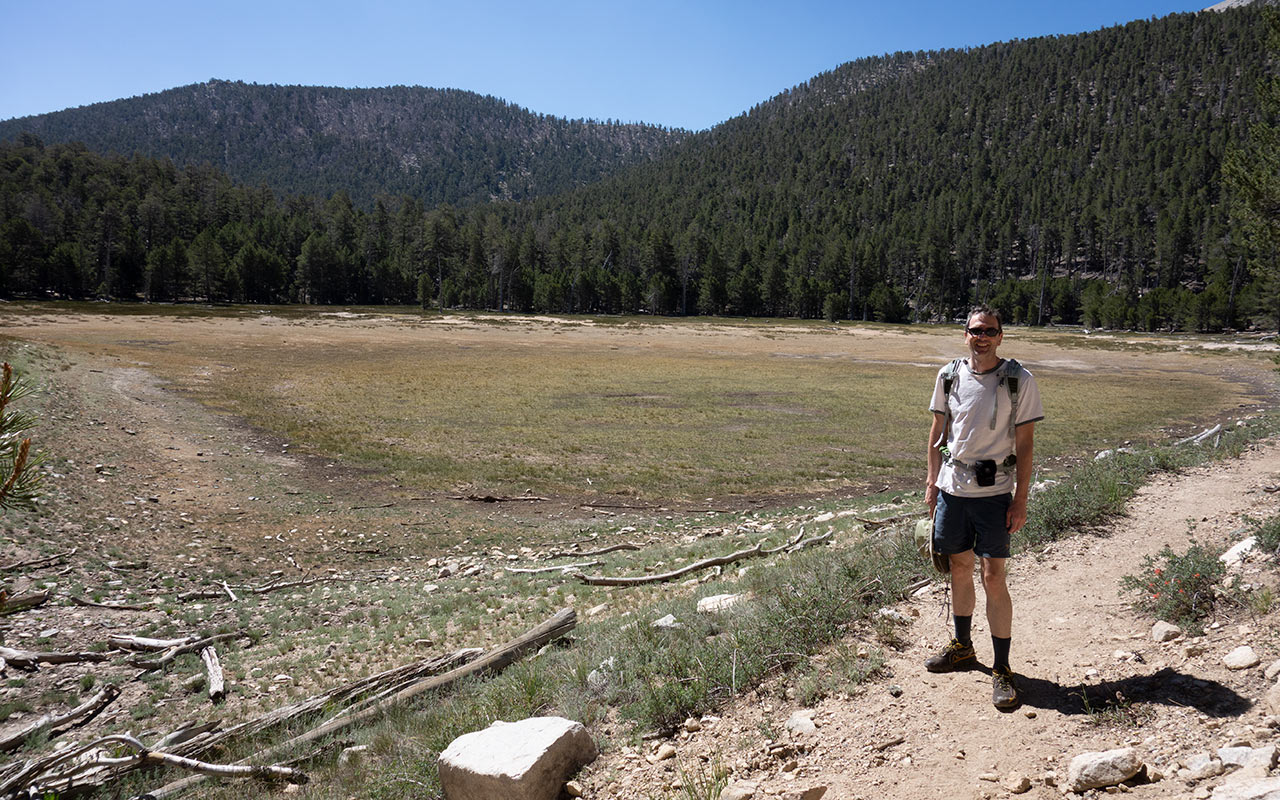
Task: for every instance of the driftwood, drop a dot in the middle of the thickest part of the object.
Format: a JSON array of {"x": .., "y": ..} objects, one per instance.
[
  {"x": 489, "y": 498},
  {"x": 150, "y": 665},
  {"x": 1201, "y": 436},
  {"x": 497, "y": 659},
  {"x": 392, "y": 679},
  {"x": 217, "y": 687},
  {"x": 28, "y": 660},
  {"x": 556, "y": 568},
  {"x": 81, "y": 601},
  {"x": 275, "y": 586},
  {"x": 872, "y": 524},
  {"x": 122, "y": 641},
  {"x": 759, "y": 550},
  {"x": 37, "y": 562},
  {"x": 91, "y": 765},
  {"x": 590, "y": 553},
  {"x": 12, "y": 605},
  {"x": 88, "y": 709}
]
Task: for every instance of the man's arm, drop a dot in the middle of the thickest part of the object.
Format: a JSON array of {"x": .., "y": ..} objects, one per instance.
[
  {"x": 936, "y": 431},
  {"x": 1024, "y": 447}
]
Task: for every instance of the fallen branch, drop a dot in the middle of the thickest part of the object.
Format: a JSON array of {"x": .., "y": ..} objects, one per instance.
[
  {"x": 1201, "y": 436},
  {"x": 489, "y": 498},
  {"x": 872, "y": 524},
  {"x": 91, "y": 765},
  {"x": 12, "y": 605},
  {"x": 217, "y": 688},
  {"x": 124, "y": 641},
  {"x": 395, "y": 679},
  {"x": 365, "y": 508},
  {"x": 173, "y": 652},
  {"x": 30, "y": 661},
  {"x": 556, "y": 568},
  {"x": 37, "y": 562},
  {"x": 590, "y": 553},
  {"x": 88, "y": 709},
  {"x": 497, "y": 659},
  {"x": 80, "y": 601},
  {"x": 214, "y": 594},
  {"x": 603, "y": 580}
]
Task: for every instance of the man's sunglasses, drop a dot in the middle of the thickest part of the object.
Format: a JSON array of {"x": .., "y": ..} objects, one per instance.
[{"x": 990, "y": 333}]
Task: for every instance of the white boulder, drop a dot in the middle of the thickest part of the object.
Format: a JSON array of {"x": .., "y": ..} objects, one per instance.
[
  {"x": 526, "y": 760},
  {"x": 1095, "y": 770}
]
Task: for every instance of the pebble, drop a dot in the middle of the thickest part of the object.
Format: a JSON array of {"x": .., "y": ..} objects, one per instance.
[{"x": 1242, "y": 657}]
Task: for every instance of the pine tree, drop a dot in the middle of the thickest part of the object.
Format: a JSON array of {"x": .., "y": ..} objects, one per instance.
[{"x": 19, "y": 477}]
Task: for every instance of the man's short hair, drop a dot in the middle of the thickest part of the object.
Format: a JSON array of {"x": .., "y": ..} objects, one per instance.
[{"x": 988, "y": 311}]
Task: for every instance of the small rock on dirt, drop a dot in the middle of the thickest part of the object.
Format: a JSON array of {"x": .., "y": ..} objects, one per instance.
[
  {"x": 812, "y": 793},
  {"x": 1242, "y": 657},
  {"x": 742, "y": 790},
  {"x": 1097, "y": 769},
  {"x": 801, "y": 722},
  {"x": 1273, "y": 670},
  {"x": 1016, "y": 783},
  {"x": 1165, "y": 632}
]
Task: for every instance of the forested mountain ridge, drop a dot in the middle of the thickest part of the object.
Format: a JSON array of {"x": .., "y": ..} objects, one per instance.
[
  {"x": 1066, "y": 178},
  {"x": 1071, "y": 156},
  {"x": 435, "y": 145}
]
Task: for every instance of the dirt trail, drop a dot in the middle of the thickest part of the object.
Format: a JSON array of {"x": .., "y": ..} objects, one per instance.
[{"x": 919, "y": 735}]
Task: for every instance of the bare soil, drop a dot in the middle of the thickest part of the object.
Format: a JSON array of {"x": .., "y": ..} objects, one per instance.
[
  {"x": 1077, "y": 643},
  {"x": 158, "y": 492}
]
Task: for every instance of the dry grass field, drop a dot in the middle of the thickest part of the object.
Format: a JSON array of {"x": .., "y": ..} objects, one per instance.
[{"x": 414, "y": 463}]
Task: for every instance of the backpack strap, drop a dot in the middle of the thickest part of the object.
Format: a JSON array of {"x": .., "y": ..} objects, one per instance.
[
  {"x": 949, "y": 374},
  {"x": 1011, "y": 373}
]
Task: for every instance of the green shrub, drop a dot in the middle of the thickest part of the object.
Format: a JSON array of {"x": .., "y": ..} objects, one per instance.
[{"x": 1177, "y": 588}]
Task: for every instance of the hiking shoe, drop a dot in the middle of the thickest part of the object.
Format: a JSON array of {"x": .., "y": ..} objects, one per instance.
[
  {"x": 952, "y": 657},
  {"x": 1004, "y": 694}
]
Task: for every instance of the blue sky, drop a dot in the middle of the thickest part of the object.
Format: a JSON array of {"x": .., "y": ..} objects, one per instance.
[{"x": 681, "y": 64}]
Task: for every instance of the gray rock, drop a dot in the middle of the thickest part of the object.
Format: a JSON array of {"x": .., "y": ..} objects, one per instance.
[
  {"x": 1016, "y": 783},
  {"x": 1237, "y": 552},
  {"x": 1273, "y": 670},
  {"x": 812, "y": 793},
  {"x": 1201, "y": 766},
  {"x": 1234, "y": 756},
  {"x": 1264, "y": 789},
  {"x": 894, "y": 616},
  {"x": 1095, "y": 770},
  {"x": 1165, "y": 632},
  {"x": 801, "y": 722},
  {"x": 1242, "y": 657},
  {"x": 1272, "y": 699},
  {"x": 718, "y": 603},
  {"x": 526, "y": 760},
  {"x": 741, "y": 790},
  {"x": 669, "y": 621}
]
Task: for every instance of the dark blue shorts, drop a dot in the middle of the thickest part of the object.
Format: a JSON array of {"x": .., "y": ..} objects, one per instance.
[{"x": 972, "y": 523}]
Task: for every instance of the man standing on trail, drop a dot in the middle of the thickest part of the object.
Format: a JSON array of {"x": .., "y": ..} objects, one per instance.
[{"x": 980, "y": 452}]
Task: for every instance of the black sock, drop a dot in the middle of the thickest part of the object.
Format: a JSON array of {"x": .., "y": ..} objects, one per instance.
[
  {"x": 1001, "y": 647},
  {"x": 963, "y": 625}
]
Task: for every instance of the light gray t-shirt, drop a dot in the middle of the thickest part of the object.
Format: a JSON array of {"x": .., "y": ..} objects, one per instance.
[{"x": 979, "y": 428}]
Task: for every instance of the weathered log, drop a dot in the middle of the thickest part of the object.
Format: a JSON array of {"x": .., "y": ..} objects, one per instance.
[
  {"x": 12, "y": 605},
  {"x": 124, "y": 641},
  {"x": 37, "y": 562},
  {"x": 489, "y": 498},
  {"x": 557, "y": 568},
  {"x": 604, "y": 580},
  {"x": 173, "y": 652},
  {"x": 386, "y": 681},
  {"x": 590, "y": 553},
  {"x": 81, "y": 601},
  {"x": 28, "y": 660},
  {"x": 497, "y": 659},
  {"x": 88, "y": 709},
  {"x": 90, "y": 765},
  {"x": 212, "y": 667},
  {"x": 214, "y": 594},
  {"x": 759, "y": 550}
]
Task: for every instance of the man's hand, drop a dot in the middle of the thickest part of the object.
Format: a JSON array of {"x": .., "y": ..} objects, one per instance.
[
  {"x": 931, "y": 497},
  {"x": 1016, "y": 516}
]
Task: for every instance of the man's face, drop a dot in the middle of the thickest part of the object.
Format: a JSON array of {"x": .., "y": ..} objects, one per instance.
[{"x": 976, "y": 335}]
